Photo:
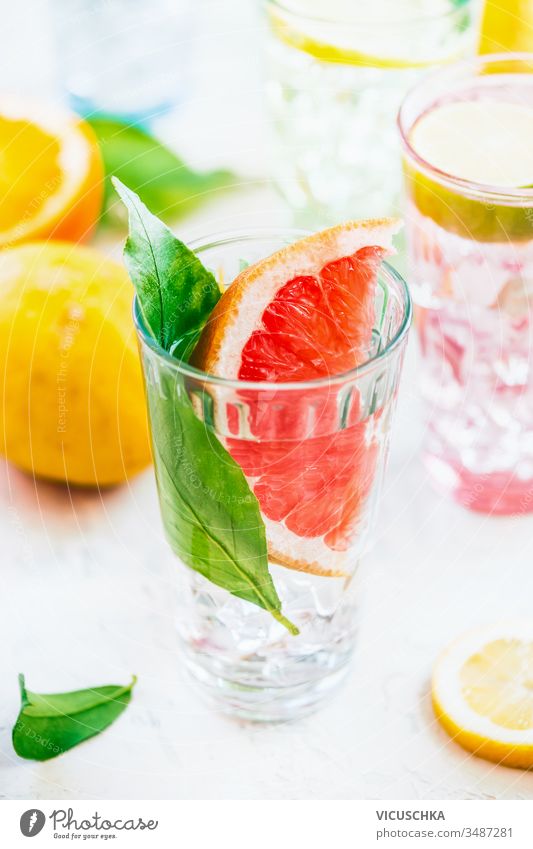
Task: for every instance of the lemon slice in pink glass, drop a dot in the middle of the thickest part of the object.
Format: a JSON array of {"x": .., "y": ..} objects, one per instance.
[{"x": 478, "y": 177}]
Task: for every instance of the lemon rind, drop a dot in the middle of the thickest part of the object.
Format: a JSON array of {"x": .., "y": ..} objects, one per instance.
[
  {"x": 475, "y": 733},
  {"x": 335, "y": 54}
]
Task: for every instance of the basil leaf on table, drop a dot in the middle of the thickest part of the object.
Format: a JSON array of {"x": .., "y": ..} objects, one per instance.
[
  {"x": 176, "y": 293},
  {"x": 211, "y": 516},
  {"x": 50, "y": 724},
  {"x": 159, "y": 176}
]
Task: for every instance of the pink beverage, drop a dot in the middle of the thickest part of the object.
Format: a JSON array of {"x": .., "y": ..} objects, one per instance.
[{"x": 467, "y": 136}]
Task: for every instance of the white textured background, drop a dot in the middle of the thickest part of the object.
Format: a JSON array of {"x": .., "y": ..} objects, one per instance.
[{"x": 86, "y": 589}]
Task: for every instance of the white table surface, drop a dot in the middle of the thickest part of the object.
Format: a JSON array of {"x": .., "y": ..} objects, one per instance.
[{"x": 87, "y": 579}]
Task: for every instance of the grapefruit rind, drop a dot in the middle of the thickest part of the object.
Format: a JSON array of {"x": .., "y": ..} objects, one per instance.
[
  {"x": 239, "y": 312},
  {"x": 303, "y": 554}
]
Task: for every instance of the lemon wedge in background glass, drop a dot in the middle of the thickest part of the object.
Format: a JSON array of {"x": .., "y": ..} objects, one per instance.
[
  {"x": 484, "y": 143},
  {"x": 482, "y": 691},
  {"x": 507, "y": 25},
  {"x": 383, "y": 35}
]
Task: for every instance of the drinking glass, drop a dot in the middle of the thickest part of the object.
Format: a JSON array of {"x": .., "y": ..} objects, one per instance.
[
  {"x": 336, "y": 81},
  {"x": 126, "y": 58},
  {"x": 470, "y": 259},
  {"x": 319, "y": 447}
]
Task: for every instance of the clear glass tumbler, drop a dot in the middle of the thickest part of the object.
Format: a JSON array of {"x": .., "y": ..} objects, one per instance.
[
  {"x": 126, "y": 58},
  {"x": 470, "y": 258},
  {"x": 338, "y": 72},
  {"x": 314, "y": 454}
]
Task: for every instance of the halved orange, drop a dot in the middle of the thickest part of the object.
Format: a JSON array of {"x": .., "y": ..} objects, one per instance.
[
  {"x": 304, "y": 313},
  {"x": 51, "y": 174}
]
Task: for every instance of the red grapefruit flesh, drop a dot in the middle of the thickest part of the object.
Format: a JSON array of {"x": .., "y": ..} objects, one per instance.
[
  {"x": 316, "y": 326},
  {"x": 305, "y": 313}
]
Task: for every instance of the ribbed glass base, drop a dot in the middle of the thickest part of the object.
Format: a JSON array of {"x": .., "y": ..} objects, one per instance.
[{"x": 230, "y": 695}]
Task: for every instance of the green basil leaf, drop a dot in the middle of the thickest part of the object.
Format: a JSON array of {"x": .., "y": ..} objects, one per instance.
[
  {"x": 164, "y": 182},
  {"x": 50, "y": 724},
  {"x": 176, "y": 293},
  {"x": 211, "y": 516}
]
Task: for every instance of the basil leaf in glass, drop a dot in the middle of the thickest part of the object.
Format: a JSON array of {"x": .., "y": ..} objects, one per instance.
[
  {"x": 176, "y": 293},
  {"x": 211, "y": 516}
]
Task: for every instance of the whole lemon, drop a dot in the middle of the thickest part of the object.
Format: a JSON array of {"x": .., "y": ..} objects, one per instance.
[{"x": 73, "y": 404}]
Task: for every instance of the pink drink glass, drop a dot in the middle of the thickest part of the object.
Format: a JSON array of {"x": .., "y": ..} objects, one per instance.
[{"x": 470, "y": 255}]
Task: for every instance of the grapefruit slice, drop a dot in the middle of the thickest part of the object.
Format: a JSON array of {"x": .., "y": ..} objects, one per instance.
[{"x": 304, "y": 313}]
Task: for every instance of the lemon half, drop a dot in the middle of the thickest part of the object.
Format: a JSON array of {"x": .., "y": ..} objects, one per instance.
[{"x": 482, "y": 692}]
